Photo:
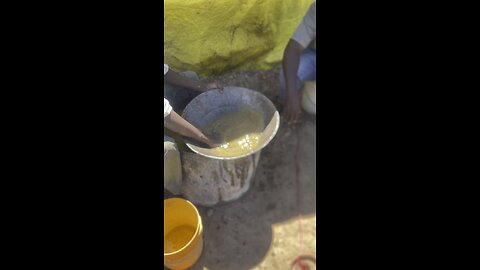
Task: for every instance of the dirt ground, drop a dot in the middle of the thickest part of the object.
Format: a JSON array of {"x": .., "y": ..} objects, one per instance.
[{"x": 262, "y": 229}]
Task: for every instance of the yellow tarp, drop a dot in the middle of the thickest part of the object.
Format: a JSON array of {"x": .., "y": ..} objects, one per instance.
[{"x": 212, "y": 37}]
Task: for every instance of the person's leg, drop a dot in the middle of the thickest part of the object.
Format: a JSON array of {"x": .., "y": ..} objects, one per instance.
[
  {"x": 306, "y": 72},
  {"x": 172, "y": 175},
  {"x": 180, "y": 97}
]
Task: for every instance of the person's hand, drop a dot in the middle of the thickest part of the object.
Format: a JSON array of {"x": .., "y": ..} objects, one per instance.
[
  {"x": 214, "y": 144},
  {"x": 211, "y": 142},
  {"x": 292, "y": 110}
]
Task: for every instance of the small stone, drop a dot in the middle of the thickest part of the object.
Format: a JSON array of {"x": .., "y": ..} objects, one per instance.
[{"x": 209, "y": 212}]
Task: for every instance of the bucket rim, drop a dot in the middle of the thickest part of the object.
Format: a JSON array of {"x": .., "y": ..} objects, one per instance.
[
  {"x": 275, "y": 117},
  {"x": 197, "y": 231}
]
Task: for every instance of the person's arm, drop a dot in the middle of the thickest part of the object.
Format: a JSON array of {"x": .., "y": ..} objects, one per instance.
[
  {"x": 177, "y": 124},
  {"x": 291, "y": 61},
  {"x": 175, "y": 78},
  {"x": 306, "y": 32}
]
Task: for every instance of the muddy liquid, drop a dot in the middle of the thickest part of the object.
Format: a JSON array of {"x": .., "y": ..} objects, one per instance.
[
  {"x": 239, "y": 132},
  {"x": 178, "y": 238}
]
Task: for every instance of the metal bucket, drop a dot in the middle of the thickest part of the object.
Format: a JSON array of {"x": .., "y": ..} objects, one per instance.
[{"x": 209, "y": 179}]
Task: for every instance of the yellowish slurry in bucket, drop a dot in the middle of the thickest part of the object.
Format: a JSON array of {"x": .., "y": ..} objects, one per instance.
[
  {"x": 178, "y": 238},
  {"x": 239, "y": 132}
]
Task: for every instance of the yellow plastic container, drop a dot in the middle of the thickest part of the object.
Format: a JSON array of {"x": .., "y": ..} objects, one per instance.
[{"x": 182, "y": 234}]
